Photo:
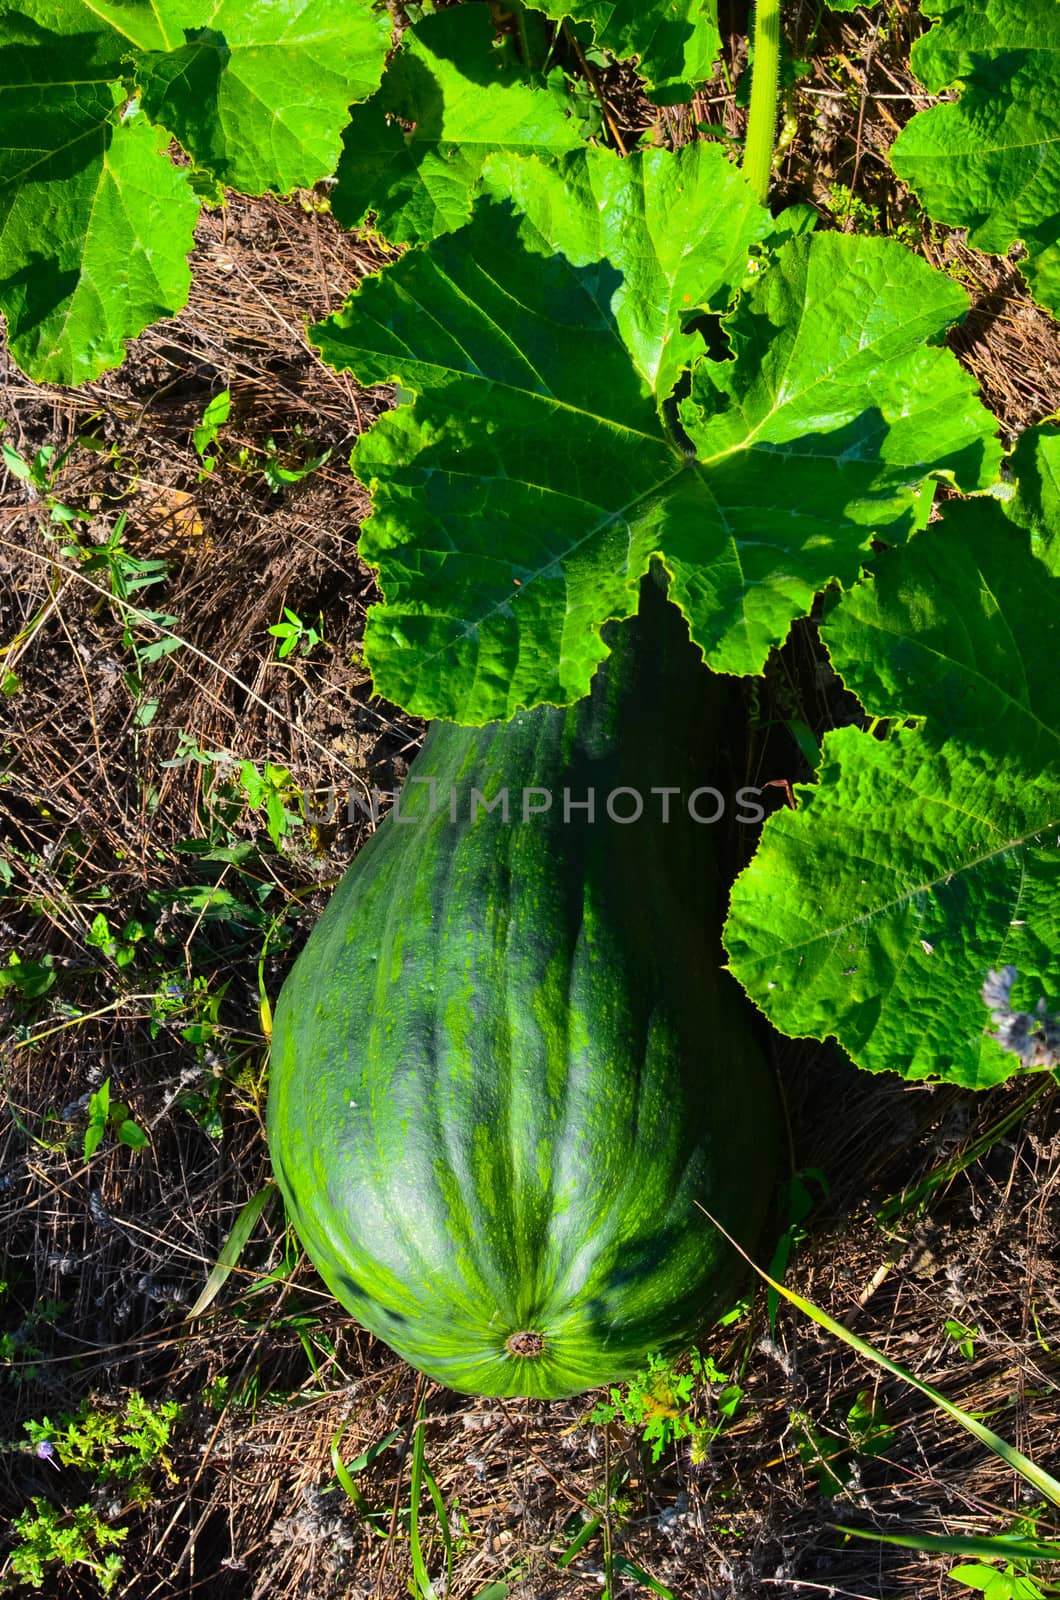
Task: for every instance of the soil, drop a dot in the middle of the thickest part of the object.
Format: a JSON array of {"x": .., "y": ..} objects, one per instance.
[{"x": 123, "y": 797}]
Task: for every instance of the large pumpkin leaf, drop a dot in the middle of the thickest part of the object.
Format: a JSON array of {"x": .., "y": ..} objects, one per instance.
[
  {"x": 414, "y": 152},
  {"x": 520, "y": 499},
  {"x": 920, "y": 861},
  {"x": 259, "y": 94},
  {"x": 990, "y": 162},
  {"x": 95, "y": 220},
  {"x": 676, "y": 44}
]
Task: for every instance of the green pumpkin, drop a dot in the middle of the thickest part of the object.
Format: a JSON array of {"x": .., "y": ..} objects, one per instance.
[{"x": 508, "y": 1072}]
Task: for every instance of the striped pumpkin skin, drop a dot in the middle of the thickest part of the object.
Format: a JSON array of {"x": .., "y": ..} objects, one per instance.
[{"x": 507, "y": 1070}]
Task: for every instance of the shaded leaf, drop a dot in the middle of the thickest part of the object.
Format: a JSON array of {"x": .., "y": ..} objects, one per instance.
[
  {"x": 676, "y": 44},
  {"x": 920, "y": 861},
  {"x": 990, "y": 162},
  {"x": 464, "y": 99}
]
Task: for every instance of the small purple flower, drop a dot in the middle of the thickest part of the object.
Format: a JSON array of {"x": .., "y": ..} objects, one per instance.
[{"x": 46, "y": 1452}]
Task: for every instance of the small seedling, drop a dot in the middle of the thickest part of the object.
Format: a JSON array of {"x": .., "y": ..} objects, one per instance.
[
  {"x": 205, "y": 436},
  {"x": 282, "y": 468},
  {"x": 119, "y": 947},
  {"x": 963, "y": 1337},
  {"x": 294, "y": 633},
  {"x": 275, "y": 789},
  {"x": 102, "y": 1115}
]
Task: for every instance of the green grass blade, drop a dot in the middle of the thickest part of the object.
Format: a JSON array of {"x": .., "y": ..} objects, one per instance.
[
  {"x": 1002, "y": 1547},
  {"x": 496, "y": 1591},
  {"x": 1029, "y": 1470},
  {"x": 630, "y": 1570},
  {"x": 344, "y": 1474},
  {"x": 899, "y": 1205},
  {"x": 233, "y": 1248},
  {"x": 580, "y": 1540},
  {"x": 424, "y": 1586},
  {"x": 443, "y": 1523}
]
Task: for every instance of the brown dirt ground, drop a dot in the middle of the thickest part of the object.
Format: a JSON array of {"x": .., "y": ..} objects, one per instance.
[{"x": 102, "y": 1262}]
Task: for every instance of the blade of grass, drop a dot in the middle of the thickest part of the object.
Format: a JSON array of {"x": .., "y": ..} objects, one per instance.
[
  {"x": 645, "y": 1579},
  {"x": 1042, "y": 1481},
  {"x": 233, "y": 1248},
  {"x": 443, "y": 1523},
  {"x": 580, "y": 1540},
  {"x": 424, "y": 1587},
  {"x": 999, "y": 1547},
  {"x": 900, "y": 1205},
  {"x": 344, "y": 1474}
]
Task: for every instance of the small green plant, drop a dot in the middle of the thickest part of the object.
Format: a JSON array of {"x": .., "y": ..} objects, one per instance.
[
  {"x": 119, "y": 1447},
  {"x": 294, "y": 633},
  {"x": 851, "y": 212},
  {"x": 658, "y": 1403},
  {"x": 827, "y": 1452},
  {"x": 205, "y": 436},
  {"x": 41, "y": 474},
  {"x": 276, "y": 791},
  {"x": 113, "y": 1446},
  {"x": 124, "y": 575},
  {"x": 26, "y": 978},
  {"x": 102, "y": 1115},
  {"x": 963, "y": 1337},
  {"x": 280, "y": 466},
  {"x": 48, "y": 1536},
  {"x": 119, "y": 947},
  {"x": 215, "y": 1394},
  {"x": 1010, "y": 1578}
]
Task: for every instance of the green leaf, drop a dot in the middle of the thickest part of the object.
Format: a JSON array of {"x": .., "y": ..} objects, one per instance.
[
  {"x": 259, "y": 94},
  {"x": 990, "y": 162},
  {"x": 465, "y": 99},
  {"x": 1035, "y": 464},
  {"x": 922, "y": 860},
  {"x": 521, "y": 497},
  {"x": 232, "y": 1249},
  {"x": 676, "y": 44},
  {"x": 997, "y": 1547},
  {"x": 95, "y": 221},
  {"x": 132, "y": 1135}
]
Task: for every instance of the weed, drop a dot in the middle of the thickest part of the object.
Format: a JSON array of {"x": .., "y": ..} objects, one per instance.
[
  {"x": 48, "y": 1536},
  {"x": 827, "y": 1452},
  {"x": 293, "y": 632},
  {"x": 963, "y": 1337},
  {"x": 102, "y": 1115},
  {"x": 205, "y": 436},
  {"x": 119, "y": 947},
  {"x": 282, "y": 468},
  {"x": 658, "y": 1403},
  {"x": 113, "y": 1448}
]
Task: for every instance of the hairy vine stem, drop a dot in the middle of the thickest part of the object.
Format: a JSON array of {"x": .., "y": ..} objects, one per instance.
[{"x": 765, "y": 83}]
